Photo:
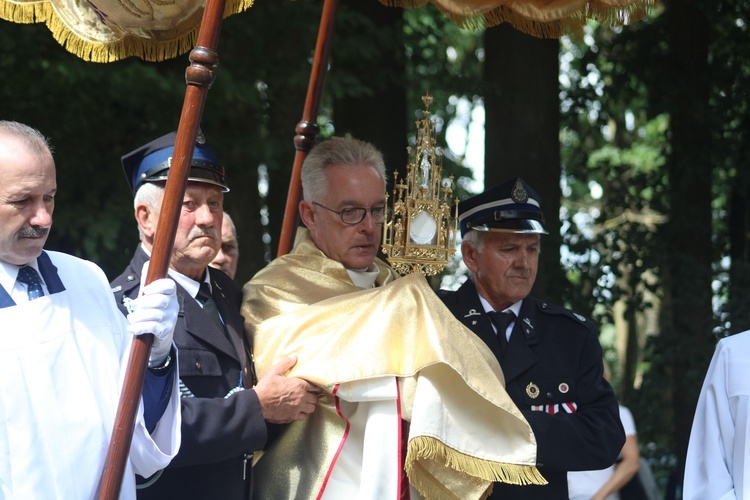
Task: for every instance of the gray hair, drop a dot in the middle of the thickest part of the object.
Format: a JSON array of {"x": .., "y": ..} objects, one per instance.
[
  {"x": 475, "y": 239},
  {"x": 342, "y": 151},
  {"x": 30, "y": 137},
  {"x": 150, "y": 194},
  {"x": 227, "y": 218}
]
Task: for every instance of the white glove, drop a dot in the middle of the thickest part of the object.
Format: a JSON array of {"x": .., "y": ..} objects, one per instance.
[{"x": 155, "y": 311}]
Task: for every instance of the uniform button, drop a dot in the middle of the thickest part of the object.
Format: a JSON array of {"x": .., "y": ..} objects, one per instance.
[
  {"x": 198, "y": 365},
  {"x": 549, "y": 395},
  {"x": 130, "y": 277}
]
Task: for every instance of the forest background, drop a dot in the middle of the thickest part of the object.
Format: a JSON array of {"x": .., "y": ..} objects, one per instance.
[{"x": 639, "y": 137}]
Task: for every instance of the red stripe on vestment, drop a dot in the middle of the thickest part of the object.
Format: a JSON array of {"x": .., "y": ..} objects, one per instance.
[{"x": 341, "y": 444}]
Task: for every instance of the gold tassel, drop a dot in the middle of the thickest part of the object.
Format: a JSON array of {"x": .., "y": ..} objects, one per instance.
[
  {"x": 25, "y": 13},
  {"x": 554, "y": 28},
  {"x": 104, "y": 52},
  {"x": 426, "y": 448}
]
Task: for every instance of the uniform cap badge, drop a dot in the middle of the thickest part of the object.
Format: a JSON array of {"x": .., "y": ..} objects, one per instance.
[{"x": 519, "y": 193}]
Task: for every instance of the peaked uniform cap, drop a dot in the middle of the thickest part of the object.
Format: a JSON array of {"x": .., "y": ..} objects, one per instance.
[
  {"x": 151, "y": 163},
  {"x": 511, "y": 207}
]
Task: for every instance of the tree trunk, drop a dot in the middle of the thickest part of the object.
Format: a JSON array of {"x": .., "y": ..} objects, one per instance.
[{"x": 689, "y": 310}]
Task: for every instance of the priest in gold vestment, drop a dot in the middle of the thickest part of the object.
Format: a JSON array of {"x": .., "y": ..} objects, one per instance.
[{"x": 414, "y": 405}]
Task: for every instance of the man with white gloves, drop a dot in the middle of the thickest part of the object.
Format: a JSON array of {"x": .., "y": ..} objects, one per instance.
[
  {"x": 226, "y": 412},
  {"x": 64, "y": 347}
]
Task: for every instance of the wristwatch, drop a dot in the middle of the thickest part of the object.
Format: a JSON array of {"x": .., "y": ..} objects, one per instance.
[{"x": 163, "y": 366}]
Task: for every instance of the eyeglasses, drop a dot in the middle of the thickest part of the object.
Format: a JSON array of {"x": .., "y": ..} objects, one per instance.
[{"x": 354, "y": 215}]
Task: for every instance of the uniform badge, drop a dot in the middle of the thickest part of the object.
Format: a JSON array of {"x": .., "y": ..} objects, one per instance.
[
  {"x": 472, "y": 312},
  {"x": 580, "y": 318},
  {"x": 200, "y": 139},
  {"x": 553, "y": 409},
  {"x": 128, "y": 303},
  {"x": 563, "y": 388},
  {"x": 519, "y": 194},
  {"x": 532, "y": 390}
]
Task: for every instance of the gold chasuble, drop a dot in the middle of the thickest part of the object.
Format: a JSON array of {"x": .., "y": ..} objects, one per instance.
[{"x": 464, "y": 431}]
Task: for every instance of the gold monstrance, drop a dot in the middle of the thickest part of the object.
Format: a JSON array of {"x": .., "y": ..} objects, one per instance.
[{"x": 419, "y": 237}]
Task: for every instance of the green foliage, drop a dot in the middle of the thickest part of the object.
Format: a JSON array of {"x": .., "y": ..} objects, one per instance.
[
  {"x": 92, "y": 114},
  {"x": 617, "y": 140},
  {"x": 613, "y": 155}
]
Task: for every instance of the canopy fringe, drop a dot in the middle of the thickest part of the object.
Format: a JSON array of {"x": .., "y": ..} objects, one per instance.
[
  {"x": 555, "y": 28},
  {"x": 104, "y": 52},
  {"x": 427, "y": 448}
]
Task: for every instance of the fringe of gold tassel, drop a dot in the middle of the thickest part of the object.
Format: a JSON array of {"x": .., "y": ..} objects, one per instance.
[
  {"x": 426, "y": 448},
  {"x": 104, "y": 52},
  {"x": 604, "y": 14}
]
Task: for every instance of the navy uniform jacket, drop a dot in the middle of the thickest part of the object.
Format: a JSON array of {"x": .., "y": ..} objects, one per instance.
[
  {"x": 218, "y": 434},
  {"x": 553, "y": 373}
]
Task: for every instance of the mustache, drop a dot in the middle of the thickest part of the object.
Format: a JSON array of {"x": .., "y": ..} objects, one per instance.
[
  {"x": 32, "y": 232},
  {"x": 520, "y": 275},
  {"x": 197, "y": 232}
]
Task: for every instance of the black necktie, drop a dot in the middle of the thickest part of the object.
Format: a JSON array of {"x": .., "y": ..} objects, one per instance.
[
  {"x": 30, "y": 277},
  {"x": 501, "y": 320},
  {"x": 205, "y": 298}
]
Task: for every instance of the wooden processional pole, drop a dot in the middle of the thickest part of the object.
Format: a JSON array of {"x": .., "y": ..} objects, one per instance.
[
  {"x": 307, "y": 130},
  {"x": 199, "y": 77}
]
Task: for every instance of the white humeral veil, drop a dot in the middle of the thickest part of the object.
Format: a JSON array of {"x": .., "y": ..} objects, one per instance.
[{"x": 385, "y": 355}]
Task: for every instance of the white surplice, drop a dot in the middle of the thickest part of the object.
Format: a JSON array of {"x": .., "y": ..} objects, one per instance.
[
  {"x": 718, "y": 458},
  {"x": 62, "y": 361}
]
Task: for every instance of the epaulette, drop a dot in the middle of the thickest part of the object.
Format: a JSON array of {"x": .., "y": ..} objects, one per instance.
[{"x": 548, "y": 308}]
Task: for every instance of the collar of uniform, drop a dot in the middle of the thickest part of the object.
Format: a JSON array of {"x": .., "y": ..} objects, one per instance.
[
  {"x": 188, "y": 284},
  {"x": 9, "y": 273},
  {"x": 8, "y": 277},
  {"x": 515, "y": 308}
]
